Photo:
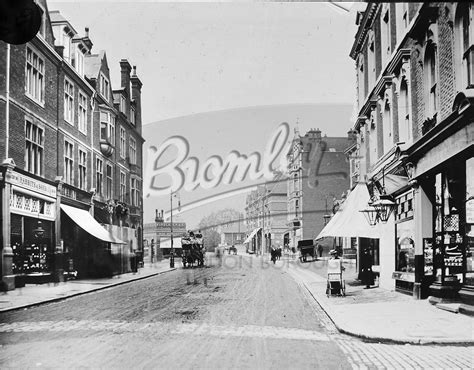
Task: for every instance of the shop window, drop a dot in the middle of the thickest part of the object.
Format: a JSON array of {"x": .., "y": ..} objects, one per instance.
[
  {"x": 470, "y": 221},
  {"x": 405, "y": 256},
  {"x": 449, "y": 249},
  {"x": 32, "y": 245}
]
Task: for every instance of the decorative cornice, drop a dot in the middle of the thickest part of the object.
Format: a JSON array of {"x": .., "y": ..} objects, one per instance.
[
  {"x": 397, "y": 60},
  {"x": 364, "y": 27}
]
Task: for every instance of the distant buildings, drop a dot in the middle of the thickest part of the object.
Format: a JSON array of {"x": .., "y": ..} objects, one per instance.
[
  {"x": 318, "y": 174},
  {"x": 266, "y": 216},
  {"x": 157, "y": 237},
  {"x": 71, "y": 159}
]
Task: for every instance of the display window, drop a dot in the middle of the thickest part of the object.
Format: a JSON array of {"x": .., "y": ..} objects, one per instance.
[
  {"x": 449, "y": 252},
  {"x": 32, "y": 245},
  {"x": 405, "y": 256},
  {"x": 469, "y": 214}
]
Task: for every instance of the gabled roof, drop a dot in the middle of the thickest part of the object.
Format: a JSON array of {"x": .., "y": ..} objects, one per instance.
[{"x": 93, "y": 63}]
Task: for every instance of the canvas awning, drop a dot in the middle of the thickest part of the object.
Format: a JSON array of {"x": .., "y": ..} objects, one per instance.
[
  {"x": 166, "y": 243},
  {"x": 251, "y": 235},
  {"x": 348, "y": 221},
  {"x": 86, "y": 222}
]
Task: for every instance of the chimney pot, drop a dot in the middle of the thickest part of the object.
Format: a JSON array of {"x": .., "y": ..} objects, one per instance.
[
  {"x": 134, "y": 70},
  {"x": 87, "y": 31}
]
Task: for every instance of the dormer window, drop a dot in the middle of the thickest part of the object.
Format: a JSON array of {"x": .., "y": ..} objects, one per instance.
[
  {"x": 104, "y": 86},
  {"x": 67, "y": 45},
  {"x": 78, "y": 61},
  {"x": 123, "y": 104},
  {"x": 132, "y": 115}
]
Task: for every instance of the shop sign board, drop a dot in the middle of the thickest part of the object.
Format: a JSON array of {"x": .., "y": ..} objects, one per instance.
[{"x": 32, "y": 184}]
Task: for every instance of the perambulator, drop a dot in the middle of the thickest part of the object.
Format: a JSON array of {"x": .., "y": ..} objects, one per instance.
[{"x": 335, "y": 284}]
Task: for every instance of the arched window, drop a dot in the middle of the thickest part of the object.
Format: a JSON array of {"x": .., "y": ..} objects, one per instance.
[
  {"x": 387, "y": 128},
  {"x": 464, "y": 46},
  {"x": 360, "y": 81},
  {"x": 430, "y": 72},
  {"x": 371, "y": 62},
  {"x": 404, "y": 123}
]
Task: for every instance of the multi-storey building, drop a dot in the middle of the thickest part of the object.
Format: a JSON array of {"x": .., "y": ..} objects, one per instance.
[
  {"x": 60, "y": 168},
  {"x": 318, "y": 174},
  {"x": 415, "y": 69},
  {"x": 266, "y": 214}
]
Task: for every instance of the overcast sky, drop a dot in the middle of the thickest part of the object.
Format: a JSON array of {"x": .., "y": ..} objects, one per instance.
[{"x": 202, "y": 57}]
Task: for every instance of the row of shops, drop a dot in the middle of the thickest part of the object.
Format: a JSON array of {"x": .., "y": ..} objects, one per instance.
[
  {"x": 49, "y": 233},
  {"x": 426, "y": 246}
]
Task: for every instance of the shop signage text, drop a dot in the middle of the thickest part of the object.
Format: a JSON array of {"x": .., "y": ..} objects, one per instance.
[{"x": 33, "y": 184}]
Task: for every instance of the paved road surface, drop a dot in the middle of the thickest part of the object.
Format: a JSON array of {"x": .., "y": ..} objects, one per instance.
[{"x": 238, "y": 312}]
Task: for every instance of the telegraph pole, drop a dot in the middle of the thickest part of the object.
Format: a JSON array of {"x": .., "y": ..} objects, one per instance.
[{"x": 171, "y": 229}]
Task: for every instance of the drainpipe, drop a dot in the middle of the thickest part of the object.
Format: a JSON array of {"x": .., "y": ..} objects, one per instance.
[{"x": 7, "y": 105}]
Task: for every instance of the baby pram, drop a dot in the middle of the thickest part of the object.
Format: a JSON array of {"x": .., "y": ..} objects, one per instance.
[{"x": 335, "y": 284}]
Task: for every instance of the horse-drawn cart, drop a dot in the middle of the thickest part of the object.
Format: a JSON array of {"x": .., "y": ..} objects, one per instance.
[
  {"x": 192, "y": 250},
  {"x": 307, "y": 249}
]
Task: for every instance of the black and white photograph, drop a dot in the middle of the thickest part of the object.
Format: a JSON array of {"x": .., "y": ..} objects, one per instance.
[{"x": 236, "y": 184}]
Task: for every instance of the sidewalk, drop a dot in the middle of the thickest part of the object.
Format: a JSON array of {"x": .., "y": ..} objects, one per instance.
[
  {"x": 32, "y": 295},
  {"x": 382, "y": 315}
]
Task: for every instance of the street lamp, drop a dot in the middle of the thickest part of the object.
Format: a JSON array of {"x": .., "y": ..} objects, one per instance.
[{"x": 171, "y": 228}]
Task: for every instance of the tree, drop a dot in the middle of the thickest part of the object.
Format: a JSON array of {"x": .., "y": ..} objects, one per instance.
[{"x": 209, "y": 226}]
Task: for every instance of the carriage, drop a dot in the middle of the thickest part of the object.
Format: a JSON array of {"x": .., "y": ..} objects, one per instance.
[
  {"x": 307, "y": 249},
  {"x": 192, "y": 250}
]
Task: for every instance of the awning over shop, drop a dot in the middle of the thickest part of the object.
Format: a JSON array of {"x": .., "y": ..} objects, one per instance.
[
  {"x": 166, "y": 243},
  {"x": 251, "y": 235},
  {"x": 86, "y": 222},
  {"x": 348, "y": 221},
  {"x": 394, "y": 183}
]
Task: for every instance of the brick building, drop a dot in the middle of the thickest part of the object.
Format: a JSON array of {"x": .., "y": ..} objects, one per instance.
[
  {"x": 318, "y": 174},
  {"x": 65, "y": 208},
  {"x": 415, "y": 138}
]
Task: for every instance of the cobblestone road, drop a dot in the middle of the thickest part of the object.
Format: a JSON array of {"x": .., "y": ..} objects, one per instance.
[{"x": 239, "y": 313}]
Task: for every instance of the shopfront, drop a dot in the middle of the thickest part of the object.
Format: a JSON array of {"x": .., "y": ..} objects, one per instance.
[
  {"x": 443, "y": 175},
  {"x": 32, "y": 232},
  {"x": 404, "y": 273},
  {"x": 448, "y": 254}
]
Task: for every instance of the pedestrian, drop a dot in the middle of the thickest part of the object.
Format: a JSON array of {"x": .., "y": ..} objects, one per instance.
[
  {"x": 320, "y": 250},
  {"x": 367, "y": 275}
]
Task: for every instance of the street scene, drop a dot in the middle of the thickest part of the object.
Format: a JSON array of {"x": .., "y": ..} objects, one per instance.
[
  {"x": 237, "y": 312},
  {"x": 237, "y": 184}
]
